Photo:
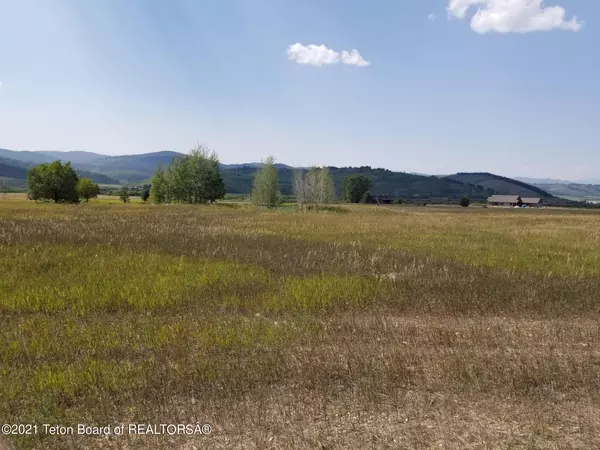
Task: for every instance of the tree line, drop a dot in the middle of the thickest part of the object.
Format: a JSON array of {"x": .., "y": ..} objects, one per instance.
[{"x": 195, "y": 178}]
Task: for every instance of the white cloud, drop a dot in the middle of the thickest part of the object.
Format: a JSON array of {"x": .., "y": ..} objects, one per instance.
[
  {"x": 431, "y": 17},
  {"x": 314, "y": 55},
  {"x": 513, "y": 16},
  {"x": 320, "y": 55},
  {"x": 353, "y": 58}
]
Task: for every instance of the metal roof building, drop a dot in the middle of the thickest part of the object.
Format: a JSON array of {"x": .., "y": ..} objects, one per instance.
[
  {"x": 514, "y": 200},
  {"x": 505, "y": 200}
]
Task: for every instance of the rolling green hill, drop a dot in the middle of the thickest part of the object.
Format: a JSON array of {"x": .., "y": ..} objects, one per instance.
[
  {"x": 501, "y": 185},
  {"x": 12, "y": 169},
  {"x": 115, "y": 169},
  {"x": 17, "y": 170},
  {"x": 130, "y": 168},
  {"x": 574, "y": 191},
  {"x": 396, "y": 184}
]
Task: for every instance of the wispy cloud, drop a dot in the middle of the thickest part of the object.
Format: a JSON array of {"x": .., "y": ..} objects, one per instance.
[
  {"x": 320, "y": 55},
  {"x": 431, "y": 17},
  {"x": 513, "y": 16}
]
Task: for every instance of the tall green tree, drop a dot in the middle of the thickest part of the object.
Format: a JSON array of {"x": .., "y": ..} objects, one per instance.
[
  {"x": 355, "y": 187},
  {"x": 265, "y": 187},
  {"x": 192, "y": 178},
  {"x": 158, "y": 186},
  {"x": 215, "y": 186},
  {"x": 55, "y": 181},
  {"x": 313, "y": 188},
  {"x": 87, "y": 189}
]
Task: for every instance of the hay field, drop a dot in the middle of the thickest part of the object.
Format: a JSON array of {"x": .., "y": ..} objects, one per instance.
[{"x": 373, "y": 327}]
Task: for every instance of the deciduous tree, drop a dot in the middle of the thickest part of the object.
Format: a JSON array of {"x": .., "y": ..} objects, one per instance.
[
  {"x": 265, "y": 187},
  {"x": 158, "y": 186},
  {"x": 193, "y": 178},
  {"x": 355, "y": 187},
  {"x": 55, "y": 181},
  {"x": 87, "y": 189},
  {"x": 313, "y": 188}
]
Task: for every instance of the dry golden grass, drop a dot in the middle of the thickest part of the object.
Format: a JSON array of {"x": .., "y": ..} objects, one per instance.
[{"x": 374, "y": 327}]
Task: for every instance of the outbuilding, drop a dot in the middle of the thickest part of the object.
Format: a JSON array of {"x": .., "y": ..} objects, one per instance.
[
  {"x": 533, "y": 202},
  {"x": 505, "y": 200}
]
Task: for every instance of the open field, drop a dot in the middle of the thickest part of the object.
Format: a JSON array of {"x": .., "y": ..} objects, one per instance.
[{"x": 373, "y": 327}]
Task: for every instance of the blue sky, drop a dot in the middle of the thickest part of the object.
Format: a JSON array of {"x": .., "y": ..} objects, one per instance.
[{"x": 437, "y": 86}]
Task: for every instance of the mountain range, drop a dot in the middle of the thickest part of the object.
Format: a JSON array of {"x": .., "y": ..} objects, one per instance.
[{"x": 137, "y": 169}]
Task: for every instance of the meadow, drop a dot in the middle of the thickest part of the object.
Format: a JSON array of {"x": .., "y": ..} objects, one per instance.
[{"x": 362, "y": 326}]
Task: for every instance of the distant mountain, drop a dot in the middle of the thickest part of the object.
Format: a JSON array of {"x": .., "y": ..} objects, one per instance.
[
  {"x": 574, "y": 191},
  {"x": 26, "y": 156},
  {"x": 17, "y": 169},
  {"x": 120, "y": 169},
  {"x": 74, "y": 157},
  {"x": 501, "y": 185},
  {"x": 130, "y": 168},
  {"x": 253, "y": 165},
  {"x": 41, "y": 157},
  {"x": 538, "y": 181},
  {"x": 10, "y": 168}
]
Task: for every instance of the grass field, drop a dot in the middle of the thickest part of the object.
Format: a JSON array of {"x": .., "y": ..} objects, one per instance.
[{"x": 359, "y": 327}]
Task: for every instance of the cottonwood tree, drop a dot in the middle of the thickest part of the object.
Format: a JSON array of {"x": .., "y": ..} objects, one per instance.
[
  {"x": 192, "y": 178},
  {"x": 158, "y": 186},
  {"x": 55, "y": 181},
  {"x": 265, "y": 187},
  {"x": 313, "y": 188},
  {"x": 356, "y": 187},
  {"x": 87, "y": 189}
]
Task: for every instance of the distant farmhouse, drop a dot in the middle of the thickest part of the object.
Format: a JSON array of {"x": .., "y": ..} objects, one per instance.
[{"x": 515, "y": 200}]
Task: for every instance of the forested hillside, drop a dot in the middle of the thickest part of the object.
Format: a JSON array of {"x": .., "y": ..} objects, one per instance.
[
  {"x": 501, "y": 185},
  {"x": 395, "y": 184}
]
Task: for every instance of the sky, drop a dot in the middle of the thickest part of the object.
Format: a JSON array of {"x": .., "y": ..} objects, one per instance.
[{"x": 429, "y": 86}]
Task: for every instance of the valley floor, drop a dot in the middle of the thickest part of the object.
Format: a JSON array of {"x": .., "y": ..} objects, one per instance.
[{"x": 373, "y": 327}]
